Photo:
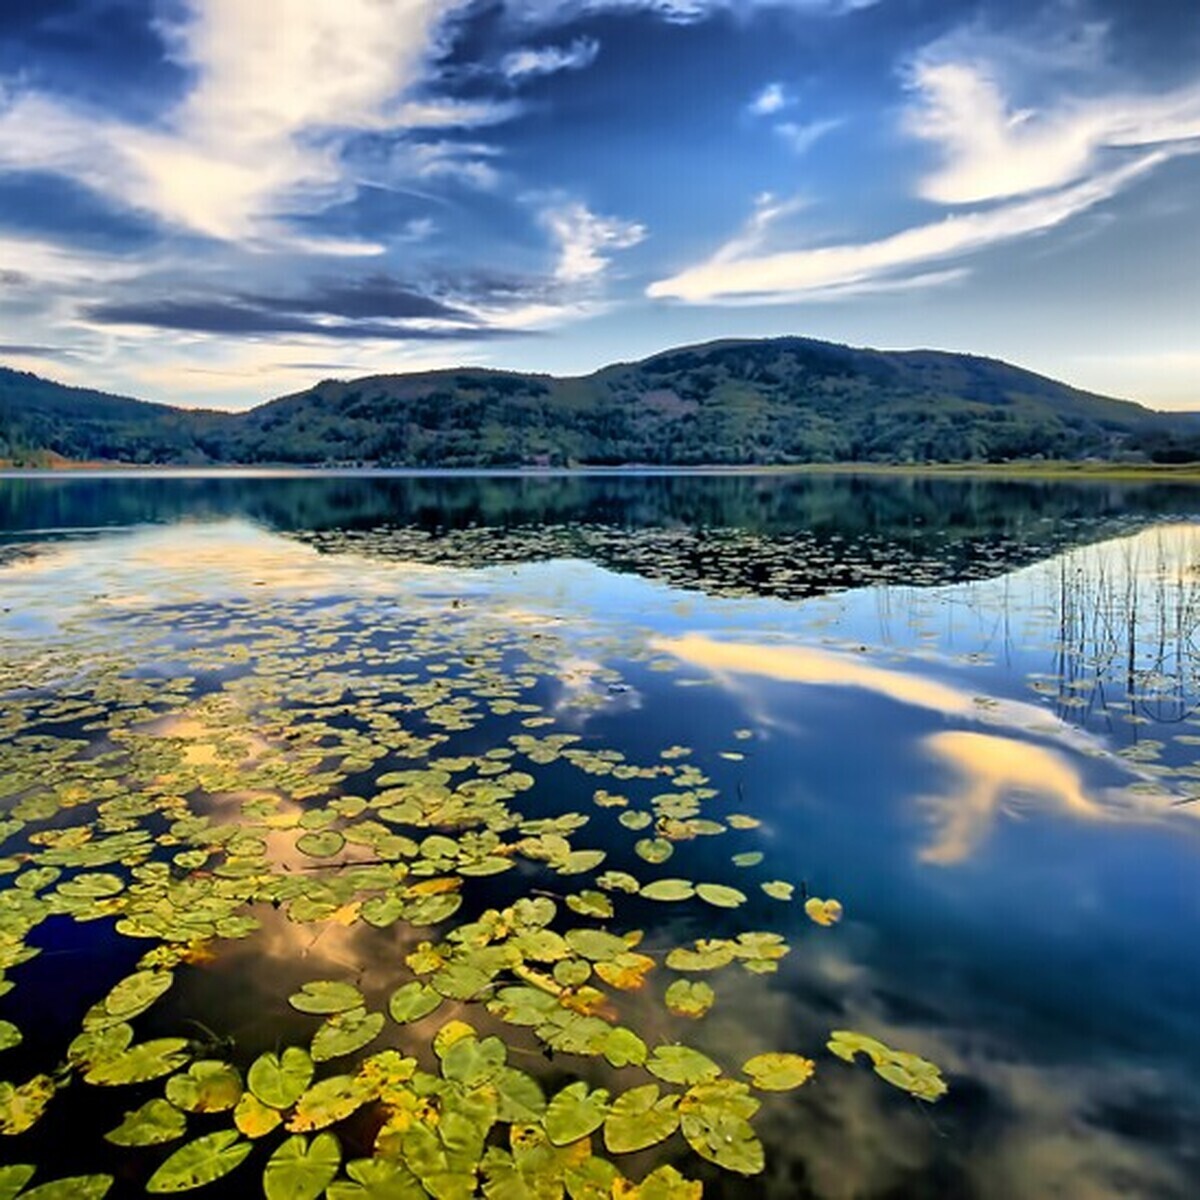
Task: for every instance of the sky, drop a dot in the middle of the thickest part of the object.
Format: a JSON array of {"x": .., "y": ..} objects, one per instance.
[{"x": 214, "y": 202}]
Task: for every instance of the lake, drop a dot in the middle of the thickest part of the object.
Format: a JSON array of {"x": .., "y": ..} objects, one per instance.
[{"x": 383, "y": 836}]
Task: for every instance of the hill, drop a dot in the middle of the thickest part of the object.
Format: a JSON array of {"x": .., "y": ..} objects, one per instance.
[{"x": 778, "y": 400}]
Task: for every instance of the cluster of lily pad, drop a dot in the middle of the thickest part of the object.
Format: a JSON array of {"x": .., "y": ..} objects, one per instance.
[{"x": 180, "y": 811}]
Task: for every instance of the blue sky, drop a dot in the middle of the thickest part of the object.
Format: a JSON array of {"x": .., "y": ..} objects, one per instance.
[{"x": 217, "y": 201}]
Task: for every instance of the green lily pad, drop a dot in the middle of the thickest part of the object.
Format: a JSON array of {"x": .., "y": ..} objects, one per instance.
[
  {"x": 778, "y": 1072},
  {"x": 344, "y": 1032},
  {"x": 708, "y": 956},
  {"x": 714, "y": 1118},
  {"x": 136, "y": 993},
  {"x": 300, "y": 1169},
  {"x": 412, "y": 1001},
  {"x": 140, "y": 1063},
  {"x": 688, "y": 999},
  {"x": 623, "y": 1048},
  {"x": 654, "y": 850},
  {"x": 574, "y": 1113},
  {"x": 377, "y": 1179},
  {"x": 719, "y": 895},
  {"x": 13, "y": 1179},
  {"x": 669, "y": 889},
  {"x": 900, "y": 1068},
  {"x": 200, "y": 1162},
  {"x": 472, "y": 1062},
  {"x": 681, "y": 1064},
  {"x": 591, "y": 904},
  {"x": 323, "y": 844},
  {"x": 76, "y": 1187},
  {"x": 22, "y": 1107},
  {"x": 777, "y": 889},
  {"x": 280, "y": 1080},
  {"x": 326, "y": 996},
  {"x": 327, "y": 1102},
  {"x": 208, "y": 1086},
  {"x": 751, "y": 858},
  {"x": 639, "y": 1118},
  {"x": 151, "y": 1125},
  {"x": 10, "y": 1035},
  {"x": 253, "y": 1118}
]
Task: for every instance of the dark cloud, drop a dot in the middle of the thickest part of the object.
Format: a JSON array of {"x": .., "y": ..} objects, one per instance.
[
  {"x": 40, "y": 203},
  {"x": 10, "y": 278},
  {"x": 374, "y": 296},
  {"x": 39, "y": 351},
  {"x": 240, "y": 317}
]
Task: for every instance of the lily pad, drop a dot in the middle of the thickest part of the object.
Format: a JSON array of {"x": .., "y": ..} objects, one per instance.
[
  {"x": 345, "y": 1032},
  {"x": 412, "y": 1001},
  {"x": 140, "y": 1063},
  {"x": 200, "y": 1162},
  {"x": 279, "y": 1080},
  {"x": 208, "y": 1086},
  {"x": 300, "y": 1169},
  {"x": 669, "y": 889},
  {"x": 76, "y": 1187},
  {"x": 575, "y": 1112},
  {"x": 823, "y": 912},
  {"x": 327, "y": 1102},
  {"x": 688, "y": 999},
  {"x": 681, "y": 1064},
  {"x": 639, "y": 1118},
  {"x": 22, "y": 1107},
  {"x": 136, "y": 993},
  {"x": 154, "y": 1123},
  {"x": 326, "y": 996},
  {"x": 719, "y": 895},
  {"x": 253, "y": 1118},
  {"x": 778, "y": 1072},
  {"x": 900, "y": 1068},
  {"x": 777, "y": 889}
]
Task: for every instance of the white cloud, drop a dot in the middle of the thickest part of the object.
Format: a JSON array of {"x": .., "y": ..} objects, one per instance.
[
  {"x": 747, "y": 272},
  {"x": 584, "y": 239},
  {"x": 990, "y": 149},
  {"x": 801, "y": 137},
  {"x": 546, "y": 60},
  {"x": 770, "y": 100},
  {"x": 277, "y": 85}
]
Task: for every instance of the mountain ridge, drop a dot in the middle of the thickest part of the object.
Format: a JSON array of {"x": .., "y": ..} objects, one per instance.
[{"x": 727, "y": 401}]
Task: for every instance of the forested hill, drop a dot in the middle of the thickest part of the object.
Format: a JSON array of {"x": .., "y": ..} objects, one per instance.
[{"x": 780, "y": 400}]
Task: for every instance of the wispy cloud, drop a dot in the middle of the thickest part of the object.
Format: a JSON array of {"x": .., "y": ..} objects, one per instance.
[
  {"x": 546, "y": 60},
  {"x": 743, "y": 273},
  {"x": 802, "y": 136},
  {"x": 680, "y": 11},
  {"x": 991, "y": 149},
  {"x": 585, "y": 239}
]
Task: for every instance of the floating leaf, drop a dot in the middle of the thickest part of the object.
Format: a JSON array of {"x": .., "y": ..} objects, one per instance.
[
  {"x": 618, "y": 881},
  {"x": 208, "y": 1086},
  {"x": 575, "y": 1112},
  {"x": 714, "y": 1117},
  {"x": 10, "y": 1035},
  {"x": 520, "y": 1096},
  {"x": 324, "y": 844},
  {"x": 708, "y": 956},
  {"x": 326, "y": 1102},
  {"x": 823, "y": 912},
  {"x": 778, "y": 890},
  {"x": 412, "y": 1001},
  {"x": 654, "y": 850},
  {"x": 681, "y": 1064},
  {"x": 595, "y": 944},
  {"x": 76, "y": 1187},
  {"x": 900, "y": 1068},
  {"x": 345, "y": 1032},
  {"x": 253, "y": 1118},
  {"x": 720, "y": 895},
  {"x": 279, "y": 1080},
  {"x": 140, "y": 1063},
  {"x": 326, "y": 996},
  {"x": 778, "y": 1072},
  {"x": 627, "y": 971},
  {"x": 136, "y": 993},
  {"x": 13, "y": 1179},
  {"x": 200, "y": 1162},
  {"x": 666, "y": 1183},
  {"x": 302, "y": 1170},
  {"x": 591, "y": 904},
  {"x": 742, "y": 821},
  {"x": 668, "y": 889},
  {"x": 21, "y": 1107},
  {"x": 751, "y": 858},
  {"x": 624, "y": 1048},
  {"x": 639, "y": 1119},
  {"x": 472, "y": 1062},
  {"x": 377, "y": 1179},
  {"x": 635, "y": 819},
  {"x": 151, "y": 1125},
  {"x": 688, "y": 999}
]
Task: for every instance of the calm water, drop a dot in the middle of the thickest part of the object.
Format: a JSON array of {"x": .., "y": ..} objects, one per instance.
[{"x": 968, "y": 711}]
